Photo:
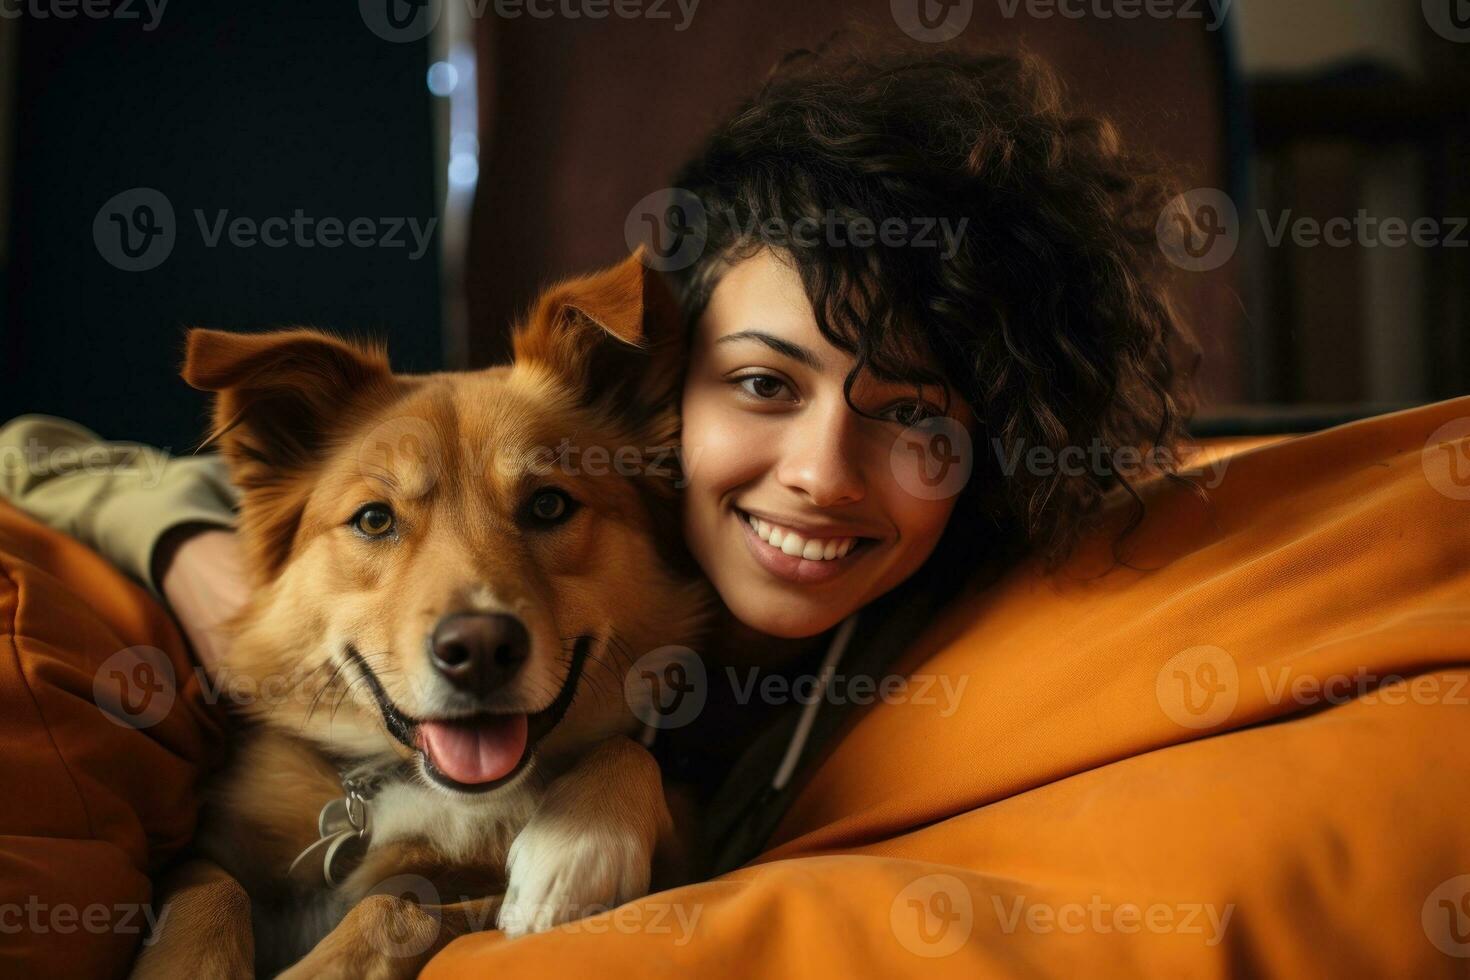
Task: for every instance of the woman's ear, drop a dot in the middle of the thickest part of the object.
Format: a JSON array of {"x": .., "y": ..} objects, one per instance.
[
  {"x": 280, "y": 399},
  {"x": 614, "y": 337}
]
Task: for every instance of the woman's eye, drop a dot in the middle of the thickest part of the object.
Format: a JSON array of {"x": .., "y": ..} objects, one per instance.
[
  {"x": 374, "y": 520},
  {"x": 910, "y": 413},
  {"x": 762, "y": 386},
  {"x": 551, "y": 506}
]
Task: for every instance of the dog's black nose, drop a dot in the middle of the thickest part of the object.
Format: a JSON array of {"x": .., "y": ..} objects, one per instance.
[{"x": 479, "y": 652}]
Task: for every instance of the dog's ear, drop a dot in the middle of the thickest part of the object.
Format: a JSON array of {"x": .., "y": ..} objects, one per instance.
[
  {"x": 615, "y": 337},
  {"x": 280, "y": 398}
]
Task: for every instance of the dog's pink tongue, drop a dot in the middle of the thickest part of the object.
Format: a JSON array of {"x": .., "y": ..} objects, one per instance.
[{"x": 476, "y": 752}]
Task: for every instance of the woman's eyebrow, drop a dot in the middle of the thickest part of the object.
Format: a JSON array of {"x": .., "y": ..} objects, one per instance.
[{"x": 796, "y": 352}]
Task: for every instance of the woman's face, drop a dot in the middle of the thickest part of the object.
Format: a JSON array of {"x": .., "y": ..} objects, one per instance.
[{"x": 794, "y": 506}]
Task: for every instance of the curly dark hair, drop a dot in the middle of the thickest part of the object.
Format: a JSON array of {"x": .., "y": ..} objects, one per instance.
[{"x": 1050, "y": 318}]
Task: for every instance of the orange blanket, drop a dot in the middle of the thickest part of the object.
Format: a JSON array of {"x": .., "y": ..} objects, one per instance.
[{"x": 1248, "y": 752}]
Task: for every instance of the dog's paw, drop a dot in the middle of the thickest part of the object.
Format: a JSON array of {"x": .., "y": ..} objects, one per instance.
[{"x": 562, "y": 870}]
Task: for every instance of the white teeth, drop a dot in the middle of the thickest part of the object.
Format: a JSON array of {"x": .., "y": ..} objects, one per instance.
[{"x": 791, "y": 543}]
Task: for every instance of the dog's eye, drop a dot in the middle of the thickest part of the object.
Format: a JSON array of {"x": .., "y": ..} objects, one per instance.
[
  {"x": 374, "y": 520},
  {"x": 551, "y": 506}
]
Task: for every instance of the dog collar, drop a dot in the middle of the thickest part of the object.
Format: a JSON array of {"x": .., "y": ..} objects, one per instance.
[{"x": 344, "y": 827}]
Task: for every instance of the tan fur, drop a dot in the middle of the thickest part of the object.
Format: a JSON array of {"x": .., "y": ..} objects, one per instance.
[{"x": 313, "y": 427}]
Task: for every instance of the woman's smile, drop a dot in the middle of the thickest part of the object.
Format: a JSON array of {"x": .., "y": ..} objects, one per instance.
[{"x": 788, "y": 553}]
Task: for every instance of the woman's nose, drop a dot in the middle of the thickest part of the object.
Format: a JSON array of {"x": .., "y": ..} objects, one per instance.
[{"x": 819, "y": 458}]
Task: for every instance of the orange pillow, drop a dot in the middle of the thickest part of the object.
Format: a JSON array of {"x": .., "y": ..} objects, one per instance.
[
  {"x": 104, "y": 734},
  {"x": 1246, "y": 751}
]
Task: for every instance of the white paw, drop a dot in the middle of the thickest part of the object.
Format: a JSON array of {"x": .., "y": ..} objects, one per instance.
[{"x": 563, "y": 869}]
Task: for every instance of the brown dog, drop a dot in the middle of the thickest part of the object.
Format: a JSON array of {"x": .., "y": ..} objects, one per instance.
[{"x": 446, "y": 604}]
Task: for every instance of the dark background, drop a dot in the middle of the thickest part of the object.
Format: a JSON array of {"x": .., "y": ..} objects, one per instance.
[
  {"x": 1316, "y": 108},
  {"x": 257, "y": 108}
]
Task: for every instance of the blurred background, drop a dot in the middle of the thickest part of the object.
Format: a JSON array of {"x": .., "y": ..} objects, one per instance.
[{"x": 417, "y": 169}]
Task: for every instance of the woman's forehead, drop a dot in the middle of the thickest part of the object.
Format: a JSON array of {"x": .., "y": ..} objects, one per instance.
[{"x": 762, "y": 301}]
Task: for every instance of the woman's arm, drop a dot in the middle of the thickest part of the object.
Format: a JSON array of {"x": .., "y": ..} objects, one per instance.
[{"x": 163, "y": 520}]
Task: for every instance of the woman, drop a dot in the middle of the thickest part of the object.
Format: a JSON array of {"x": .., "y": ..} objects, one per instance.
[{"x": 914, "y": 265}]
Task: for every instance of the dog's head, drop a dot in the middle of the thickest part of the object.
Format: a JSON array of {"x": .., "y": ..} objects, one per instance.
[{"x": 458, "y": 567}]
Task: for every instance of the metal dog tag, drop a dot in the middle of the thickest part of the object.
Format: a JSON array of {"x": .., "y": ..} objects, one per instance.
[{"x": 342, "y": 829}]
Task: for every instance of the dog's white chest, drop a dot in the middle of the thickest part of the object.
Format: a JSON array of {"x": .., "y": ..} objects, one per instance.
[{"x": 459, "y": 828}]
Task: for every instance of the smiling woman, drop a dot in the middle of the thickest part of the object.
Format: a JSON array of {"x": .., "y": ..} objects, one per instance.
[{"x": 793, "y": 508}]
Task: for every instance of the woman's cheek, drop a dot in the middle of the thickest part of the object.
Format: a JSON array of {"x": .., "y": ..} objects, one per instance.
[
  {"x": 920, "y": 523},
  {"x": 720, "y": 447}
]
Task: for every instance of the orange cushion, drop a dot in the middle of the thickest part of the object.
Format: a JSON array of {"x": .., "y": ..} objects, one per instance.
[
  {"x": 99, "y": 778},
  {"x": 1244, "y": 751}
]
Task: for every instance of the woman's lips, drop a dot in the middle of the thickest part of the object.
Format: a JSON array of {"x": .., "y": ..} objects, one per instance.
[{"x": 794, "y": 568}]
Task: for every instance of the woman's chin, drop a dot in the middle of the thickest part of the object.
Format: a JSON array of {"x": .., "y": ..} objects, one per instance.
[{"x": 784, "y": 616}]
